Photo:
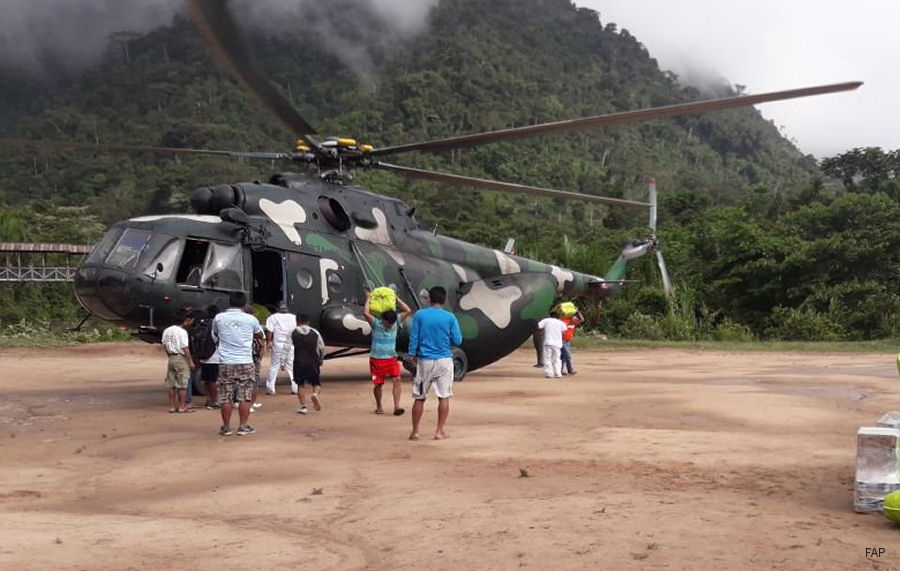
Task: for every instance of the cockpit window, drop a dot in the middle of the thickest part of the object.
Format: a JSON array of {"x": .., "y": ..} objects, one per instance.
[
  {"x": 102, "y": 248},
  {"x": 224, "y": 268},
  {"x": 128, "y": 249}
]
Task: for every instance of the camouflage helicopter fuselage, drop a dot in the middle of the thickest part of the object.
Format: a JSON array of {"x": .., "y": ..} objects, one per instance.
[{"x": 325, "y": 244}]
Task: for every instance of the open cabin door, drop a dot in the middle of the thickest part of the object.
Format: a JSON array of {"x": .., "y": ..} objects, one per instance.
[{"x": 268, "y": 268}]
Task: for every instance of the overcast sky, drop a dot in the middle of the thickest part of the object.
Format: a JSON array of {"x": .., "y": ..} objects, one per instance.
[{"x": 769, "y": 45}]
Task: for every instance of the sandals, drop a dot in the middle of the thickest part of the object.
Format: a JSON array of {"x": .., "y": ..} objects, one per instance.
[{"x": 397, "y": 411}]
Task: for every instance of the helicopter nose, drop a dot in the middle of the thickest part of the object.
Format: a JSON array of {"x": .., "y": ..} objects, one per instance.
[{"x": 104, "y": 292}]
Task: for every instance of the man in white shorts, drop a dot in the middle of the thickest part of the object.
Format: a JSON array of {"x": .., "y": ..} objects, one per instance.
[{"x": 433, "y": 334}]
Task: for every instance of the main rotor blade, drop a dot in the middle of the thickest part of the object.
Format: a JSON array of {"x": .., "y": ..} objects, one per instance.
[
  {"x": 611, "y": 119},
  {"x": 503, "y": 186},
  {"x": 214, "y": 20},
  {"x": 17, "y": 143}
]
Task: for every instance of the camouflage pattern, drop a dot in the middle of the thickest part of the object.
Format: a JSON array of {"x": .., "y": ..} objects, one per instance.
[{"x": 334, "y": 243}]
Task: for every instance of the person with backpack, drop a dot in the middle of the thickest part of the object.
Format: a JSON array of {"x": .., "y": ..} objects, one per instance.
[
  {"x": 207, "y": 353},
  {"x": 309, "y": 353},
  {"x": 194, "y": 373},
  {"x": 259, "y": 344}
]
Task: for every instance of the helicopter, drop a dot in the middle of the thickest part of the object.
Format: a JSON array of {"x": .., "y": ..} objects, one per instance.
[{"x": 317, "y": 242}]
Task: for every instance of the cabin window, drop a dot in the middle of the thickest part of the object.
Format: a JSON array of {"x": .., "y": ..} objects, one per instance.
[
  {"x": 214, "y": 265},
  {"x": 128, "y": 249},
  {"x": 191, "y": 267},
  {"x": 304, "y": 278},
  {"x": 334, "y": 282},
  {"x": 224, "y": 267}
]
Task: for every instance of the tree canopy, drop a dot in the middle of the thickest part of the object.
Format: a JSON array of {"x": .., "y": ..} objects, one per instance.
[{"x": 760, "y": 240}]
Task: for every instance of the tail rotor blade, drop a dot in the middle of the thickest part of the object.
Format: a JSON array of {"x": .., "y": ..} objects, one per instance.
[{"x": 667, "y": 282}]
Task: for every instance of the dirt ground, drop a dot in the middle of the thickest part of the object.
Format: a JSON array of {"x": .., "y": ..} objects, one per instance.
[{"x": 645, "y": 459}]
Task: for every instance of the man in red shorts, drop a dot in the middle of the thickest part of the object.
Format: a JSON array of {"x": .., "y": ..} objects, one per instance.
[{"x": 383, "y": 363}]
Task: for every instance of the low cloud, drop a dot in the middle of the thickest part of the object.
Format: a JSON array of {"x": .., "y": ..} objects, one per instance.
[
  {"x": 48, "y": 35},
  {"x": 43, "y": 36}
]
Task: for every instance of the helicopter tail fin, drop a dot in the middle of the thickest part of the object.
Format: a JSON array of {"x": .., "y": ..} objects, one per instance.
[{"x": 634, "y": 249}]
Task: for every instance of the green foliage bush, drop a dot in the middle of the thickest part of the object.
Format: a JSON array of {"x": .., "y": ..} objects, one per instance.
[
  {"x": 728, "y": 330},
  {"x": 678, "y": 327},
  {"x": 792, "y": 324},
  {"x": 29, "y": 333},
  {"x": 641, "y": 326}
]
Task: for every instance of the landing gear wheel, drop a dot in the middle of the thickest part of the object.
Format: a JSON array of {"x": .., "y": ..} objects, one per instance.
[
  {"x": 198, "y": 387},
  {"x": 460, "y": 365},
  {"x": 407, "y": 363}
]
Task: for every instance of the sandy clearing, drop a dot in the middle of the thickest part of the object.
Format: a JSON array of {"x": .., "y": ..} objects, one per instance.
[{"x": 645, "y": 459}]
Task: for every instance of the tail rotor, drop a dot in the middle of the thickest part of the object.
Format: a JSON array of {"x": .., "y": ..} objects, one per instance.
[
  {"x": 635, "y": 249},
  {"x": 654, "y": 242}
]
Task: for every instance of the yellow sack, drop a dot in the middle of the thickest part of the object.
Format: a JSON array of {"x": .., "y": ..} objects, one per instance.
[
  {"x": 382, "y": 299},
  {"x": 568, "y": 309}
]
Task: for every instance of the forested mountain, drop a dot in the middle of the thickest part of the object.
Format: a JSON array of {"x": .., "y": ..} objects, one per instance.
[{"x": 740, "y": 203}]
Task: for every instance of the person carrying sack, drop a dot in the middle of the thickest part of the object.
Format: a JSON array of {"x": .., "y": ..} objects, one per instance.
[{"x": 383, "y": 363}]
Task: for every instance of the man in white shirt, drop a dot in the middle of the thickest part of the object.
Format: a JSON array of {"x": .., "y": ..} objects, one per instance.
[
  {"x": 279, "y": 327},
  {"x": 552, "y": 329},
  {"x": 175, "y": 342}
]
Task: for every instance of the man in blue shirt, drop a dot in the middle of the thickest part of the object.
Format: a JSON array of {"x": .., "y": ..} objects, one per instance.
[
  {"x": 383, "y": 362},
  {"x": 431, "y": 339},
  {"x": 234, "y": 330}
]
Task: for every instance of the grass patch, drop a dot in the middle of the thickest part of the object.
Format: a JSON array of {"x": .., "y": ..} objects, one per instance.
[
  {"x": 879, "y": 346},
  {"x": 26, "y": 334}
]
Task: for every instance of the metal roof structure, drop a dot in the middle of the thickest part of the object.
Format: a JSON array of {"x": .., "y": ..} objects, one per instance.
[
  {"x": 41, "y": 248},
  {"x": 28, "y": 262}
]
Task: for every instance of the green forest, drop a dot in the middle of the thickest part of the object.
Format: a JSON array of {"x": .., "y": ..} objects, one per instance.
[{"x": 762, "y": 241}]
